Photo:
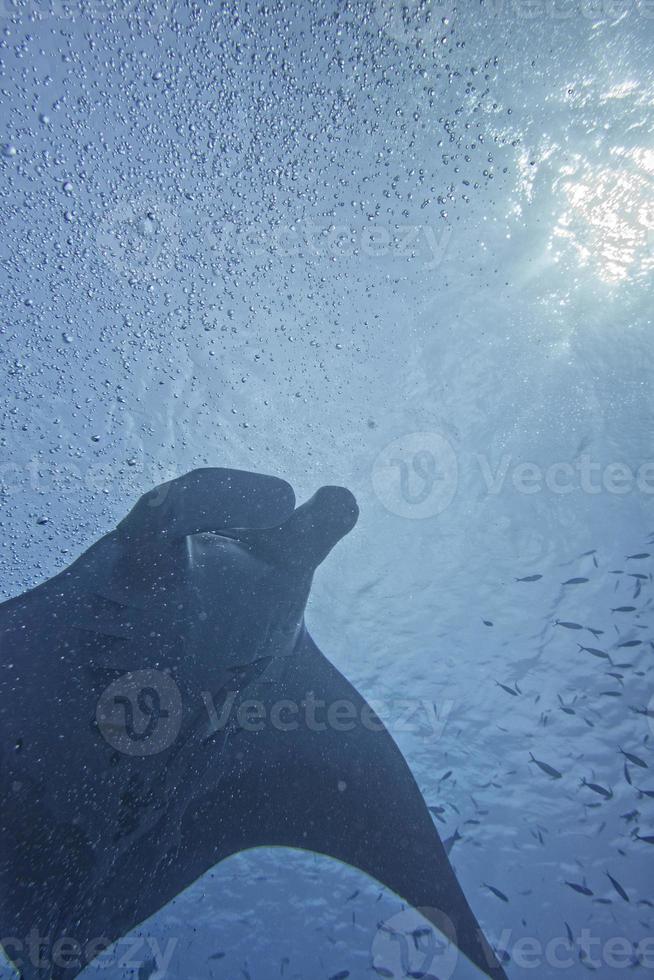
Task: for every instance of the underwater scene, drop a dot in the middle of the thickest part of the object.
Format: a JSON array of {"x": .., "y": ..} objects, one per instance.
[{"x": 285, "y": 277}]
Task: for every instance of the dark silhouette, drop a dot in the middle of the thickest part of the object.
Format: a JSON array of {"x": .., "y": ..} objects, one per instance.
[{"x": 132, "y": 761}]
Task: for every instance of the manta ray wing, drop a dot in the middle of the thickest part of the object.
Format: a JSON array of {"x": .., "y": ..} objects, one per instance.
[{"x": 323, "y": 774}]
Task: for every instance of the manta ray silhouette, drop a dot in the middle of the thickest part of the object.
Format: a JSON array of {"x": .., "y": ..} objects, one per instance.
[{"x": 121, "y": 782}]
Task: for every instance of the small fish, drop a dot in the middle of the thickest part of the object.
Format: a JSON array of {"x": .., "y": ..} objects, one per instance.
[
  {"x": 341, "y": 975},
  {"x": 569, "y": 932},
  {"x": 575, "y": 581},
  {"x": 582, "y": 889},
  {"x": 634, "y": 759},
  {"x": 596, "y": 788},
  {"x": 641, "y": 711},
  {"x": 509, "y": 690},
  {"x": 566, "y": 707},
  {"x": 216, "y": 956},
  {"x": 436, "y": 811},
  {"x": 567, "y": 625},
  {"x": 639, "y": 575},
  {"x": 550, "y": 770},
  {"x": 627, "y": 775},
  {"x": 383, "y": 971},
  {"x": 487, "y": 622},
  {"x": 630, "y": 643},
  {"x": 624, "y": 609},
  {"x": 648, "y": 839},
  {"x": 618, "y": 887},
  {"x": 639, "y": 556},
  {"x": 594, "y": 651},
  {"x": 610, "y": 694},
  {"x": 449, "y": 842},
  {"x": 496, "y": 892},
  {"x": 529, "y": 578},
  {"x": 595, "y": 633},
  {"x": 645, "y": 792},
  {"x": 352, "y": 896},
  {"x": 446, "y": 776}
]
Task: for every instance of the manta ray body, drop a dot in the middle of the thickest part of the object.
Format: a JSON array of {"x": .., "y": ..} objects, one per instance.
[{"x": 159, "y": 711}]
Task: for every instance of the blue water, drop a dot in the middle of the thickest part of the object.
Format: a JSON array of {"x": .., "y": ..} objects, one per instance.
[{"x": 406, "y": 252}]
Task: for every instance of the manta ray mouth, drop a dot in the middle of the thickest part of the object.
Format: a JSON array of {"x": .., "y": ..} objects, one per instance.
[{"x": 307, "y": 535}]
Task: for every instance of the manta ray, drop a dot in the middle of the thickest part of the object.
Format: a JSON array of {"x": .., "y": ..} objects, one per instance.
[{"x": 159, "y": 712}]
